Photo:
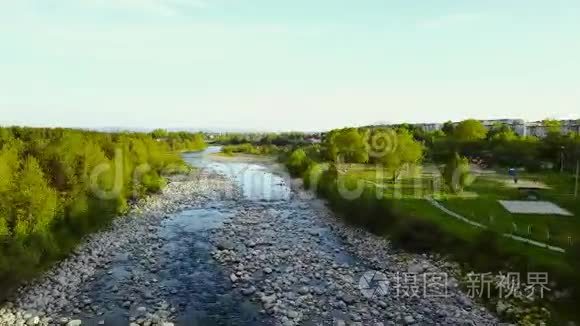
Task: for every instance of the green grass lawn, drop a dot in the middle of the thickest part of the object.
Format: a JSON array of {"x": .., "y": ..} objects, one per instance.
[
  {"x": 486, "y": 209},
  {"x": 481, "y": 204},
  {"x": 422, "y": 209}
]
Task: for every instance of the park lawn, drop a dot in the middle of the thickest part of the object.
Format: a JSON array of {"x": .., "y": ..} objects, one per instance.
[
  {"x": 423, "y": 210},
  {"x": 485, "y": 209}
]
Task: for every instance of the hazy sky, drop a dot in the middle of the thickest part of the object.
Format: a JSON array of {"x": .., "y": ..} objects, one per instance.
[{"x": 285, "y": 65}]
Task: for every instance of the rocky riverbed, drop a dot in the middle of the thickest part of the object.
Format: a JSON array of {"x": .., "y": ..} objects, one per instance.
[
  {"x": 305, "y": 267},
  {"x": 205, "y": 252}
]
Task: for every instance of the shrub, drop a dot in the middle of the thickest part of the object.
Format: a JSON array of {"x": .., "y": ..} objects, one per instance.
[
  {"x": 297, "y": 162},
  {"x": 456, "y": 173}
]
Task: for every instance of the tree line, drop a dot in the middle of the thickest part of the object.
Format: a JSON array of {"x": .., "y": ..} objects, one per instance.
[
  {"x": 265, "y": 139},
  {"x": 58, "y": 184}
]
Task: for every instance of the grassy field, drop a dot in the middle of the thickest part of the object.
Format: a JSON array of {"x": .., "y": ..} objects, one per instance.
[
  {"x": 553, "y": 229},
  {"x": 479, "y": 201}
]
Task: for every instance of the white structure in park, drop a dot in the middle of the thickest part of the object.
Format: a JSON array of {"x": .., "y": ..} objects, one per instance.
[{"x": 533, "y": 207}]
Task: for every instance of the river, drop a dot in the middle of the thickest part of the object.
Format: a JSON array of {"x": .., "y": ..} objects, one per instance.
[{"x": 236, "y": 245}]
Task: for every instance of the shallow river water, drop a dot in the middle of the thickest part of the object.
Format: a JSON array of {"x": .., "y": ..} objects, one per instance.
[{"x": 189, "y": 278}]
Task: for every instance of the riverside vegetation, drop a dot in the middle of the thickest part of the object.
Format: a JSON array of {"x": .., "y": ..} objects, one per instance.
[
  {"x": 56, "y": 185},
  {"x": 391, "y": 164},
  {"x": 391, "y": 200}
]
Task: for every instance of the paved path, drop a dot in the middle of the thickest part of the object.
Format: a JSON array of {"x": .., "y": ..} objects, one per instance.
[{"x": 479, "y": 225}]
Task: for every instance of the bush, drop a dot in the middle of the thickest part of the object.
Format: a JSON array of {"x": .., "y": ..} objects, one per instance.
[
  {"x": 153, "y": 183},
  {"x": 457, "y": 174},
  {"x": 297, "y": 162}
]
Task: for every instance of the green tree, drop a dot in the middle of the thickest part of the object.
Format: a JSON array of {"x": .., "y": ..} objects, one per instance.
[
  {"x": 404, "y": 151},
  {"x": 159, "y": 133},
  {"x": 448, "y": 128},
  {"x": 504, "y": 136},
  {"x": 35, "y": 201},
  {"x": 9, "y": 165},
  {"x": 456, "y": 173},
  {"x": 469, "y": 130},
  {"x": 552, "y": 126},
  {"x": 347, "y": 145},
  {"x": 5, "y": 136},
  {"x": 297, "y": 162},
  {"x": 501, "y": 132}
]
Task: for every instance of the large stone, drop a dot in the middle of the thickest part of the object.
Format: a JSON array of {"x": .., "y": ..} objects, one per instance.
[
  {"x": 348, "y": 299},
  {"x": 292, "y": 314},
  {"x": 416, "y": 269},
  {"x": 409, "y": 320},
  {"x": 304, "y": 290},
  {"x": 268, "y": 299},
  {"x": 225, "y": 245},
  {"x": 249, "y": 291},
  {"x": 33, "y": 321}
]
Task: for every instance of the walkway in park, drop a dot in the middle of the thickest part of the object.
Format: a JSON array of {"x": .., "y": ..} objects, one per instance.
[{"x": 479, "y": 225}]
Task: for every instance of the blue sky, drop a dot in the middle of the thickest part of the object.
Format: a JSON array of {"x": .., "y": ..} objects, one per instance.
[{"x": 285, "y": 65}]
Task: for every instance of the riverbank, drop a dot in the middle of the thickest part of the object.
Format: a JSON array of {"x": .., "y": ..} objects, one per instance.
[
  {"x": 60, "y": 297},
  {"x": 242, "y": 157}
]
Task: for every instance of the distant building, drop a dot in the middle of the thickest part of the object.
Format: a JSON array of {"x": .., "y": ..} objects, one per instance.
[
  {"x": 519, "y": 126},
  {"x": 534, "y": 128},
  {"x": 537, "y": 128},
  {"x": 569, "y": 126},
  {"x": 429, "y": 126}
]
